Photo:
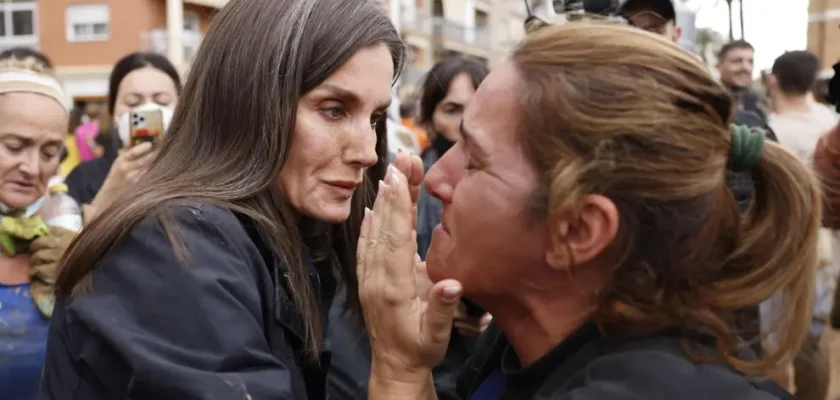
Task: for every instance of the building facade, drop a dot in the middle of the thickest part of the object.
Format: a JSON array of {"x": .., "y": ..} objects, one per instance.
[
  {"x": 84, "y": 38},
  {"x": 824, "y": 31},
  {"x": 434, "y": 29}
]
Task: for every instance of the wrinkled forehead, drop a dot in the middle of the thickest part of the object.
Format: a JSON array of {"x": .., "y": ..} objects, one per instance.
[{"x": 492, "y": 116}]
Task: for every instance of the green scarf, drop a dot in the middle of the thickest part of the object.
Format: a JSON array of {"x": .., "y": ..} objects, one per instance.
[{"x": 17, "y": 232}]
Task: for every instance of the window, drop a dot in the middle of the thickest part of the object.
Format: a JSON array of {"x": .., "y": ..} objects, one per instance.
[
  {"x": 17, "y": 23},
  {"x": 88, "y": 22},
  {"x": 192, "y": 36}
]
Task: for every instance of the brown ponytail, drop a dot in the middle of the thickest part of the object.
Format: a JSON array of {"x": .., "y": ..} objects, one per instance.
[
  {"x": 618, "y": 112},
  {"x": 777, "y": 252}
]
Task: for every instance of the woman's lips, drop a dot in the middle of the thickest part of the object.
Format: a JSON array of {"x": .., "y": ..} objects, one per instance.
[
  {"x": 19, "y": 186},
  {"x": 443, "y": 225},
  {"x": 343, "y": 189}
]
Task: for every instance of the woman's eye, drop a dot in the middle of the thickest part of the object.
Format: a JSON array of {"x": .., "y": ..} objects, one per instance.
[
  {"x": 13, "y": 147},
  {"x": 163, "y": 99},
  {"x": 49, "y": 153},
  {"x": 452, "y": 110},
  {"x": 336, "y": 112}
]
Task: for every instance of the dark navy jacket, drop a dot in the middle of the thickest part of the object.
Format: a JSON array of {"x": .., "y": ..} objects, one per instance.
[
  {"x": 220, "y": 327},
  {"x": 588, "y": 366}
]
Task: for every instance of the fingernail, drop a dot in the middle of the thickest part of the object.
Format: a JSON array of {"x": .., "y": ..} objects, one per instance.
[
  {"x": 393, "y": 177},
  {"x": 451, "y": 292},
  {"x": 367, "y": 211},
  {"x": 380, "y": 189}
]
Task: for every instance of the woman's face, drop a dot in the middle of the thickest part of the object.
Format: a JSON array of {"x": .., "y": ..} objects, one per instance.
[
  {"x": 145, "y": 85},
  {"x": 32, "y": 132},
  {"x": 488, "y": 233},
  {"x": 334, "y": 139},
  {"x": 448, "y": 113}
]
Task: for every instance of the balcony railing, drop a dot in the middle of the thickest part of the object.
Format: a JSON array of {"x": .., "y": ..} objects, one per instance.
[
  {"x": 417, "y": 23},
  {"x": 445, "y": 29}
]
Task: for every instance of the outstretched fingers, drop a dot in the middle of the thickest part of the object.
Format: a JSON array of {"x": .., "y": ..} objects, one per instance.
[
  {"x": 411, "y": 167},
  {"x": 397, "y": 233}
]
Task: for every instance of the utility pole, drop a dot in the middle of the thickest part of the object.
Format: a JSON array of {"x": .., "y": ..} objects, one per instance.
[
  {"x": 394, "y": 8},
  {"x": 175, "y": 33}
]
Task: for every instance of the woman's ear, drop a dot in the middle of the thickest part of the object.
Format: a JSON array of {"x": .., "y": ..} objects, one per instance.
[{"x": 581, "y": 235}]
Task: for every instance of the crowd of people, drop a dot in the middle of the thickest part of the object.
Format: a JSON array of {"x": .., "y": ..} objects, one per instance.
[{"x": 599, "y": 217}]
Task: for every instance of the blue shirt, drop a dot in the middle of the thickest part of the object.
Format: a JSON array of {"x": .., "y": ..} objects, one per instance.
[
  {"x": 491, "y": 388},
  {"x": 23, "y": 342}
]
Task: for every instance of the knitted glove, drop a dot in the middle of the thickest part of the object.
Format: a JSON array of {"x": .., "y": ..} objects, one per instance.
[{"x": 45, "y": 255}]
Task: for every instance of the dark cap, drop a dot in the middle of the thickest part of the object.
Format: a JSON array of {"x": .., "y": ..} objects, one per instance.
[{"x": 665, "y": 8}]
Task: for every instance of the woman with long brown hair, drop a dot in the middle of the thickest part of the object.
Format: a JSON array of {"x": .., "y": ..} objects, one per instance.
[
  {"x": 586, "y": 209},
  {"x": 211, "y": 276}
]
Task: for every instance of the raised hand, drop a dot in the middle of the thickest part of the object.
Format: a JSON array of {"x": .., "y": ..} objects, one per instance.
[
  {"x": 409, "y": 320},
  {"x": 411, "y": 167}
]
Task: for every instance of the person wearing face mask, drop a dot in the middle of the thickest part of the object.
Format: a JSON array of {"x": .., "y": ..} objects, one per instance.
[
  {"x": 138, "y": 80},
  {"x": 33, "y": 128}
]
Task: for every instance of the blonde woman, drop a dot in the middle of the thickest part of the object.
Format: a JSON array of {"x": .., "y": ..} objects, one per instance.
[{"x": 33, "y": 127}]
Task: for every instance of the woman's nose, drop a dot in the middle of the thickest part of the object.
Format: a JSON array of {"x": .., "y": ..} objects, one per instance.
[
  {"x": 30, "y": 164},
  {"x": 362, "y": 149},
  {"x": 440, "y": 179}
]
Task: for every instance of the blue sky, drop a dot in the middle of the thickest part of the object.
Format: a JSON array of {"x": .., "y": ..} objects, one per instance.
[{"x": 772, "y": 26}]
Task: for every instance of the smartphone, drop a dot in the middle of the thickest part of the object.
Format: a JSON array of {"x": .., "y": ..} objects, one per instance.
[{"x": 145, "y": 126}]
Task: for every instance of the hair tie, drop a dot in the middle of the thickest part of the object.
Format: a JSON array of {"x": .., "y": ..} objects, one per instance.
[{"x": 745, "y": 148}]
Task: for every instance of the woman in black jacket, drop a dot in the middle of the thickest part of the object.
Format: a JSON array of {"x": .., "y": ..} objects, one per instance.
[
  {"x": 212, "y": 276},
  {"x": 586, "y": 209}
]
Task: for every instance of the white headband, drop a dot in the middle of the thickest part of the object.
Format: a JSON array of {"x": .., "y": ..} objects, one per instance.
[{"x": 16, "y": 81}]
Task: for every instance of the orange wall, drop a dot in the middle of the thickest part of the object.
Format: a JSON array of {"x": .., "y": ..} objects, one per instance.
[{"x": 131, "y": 21}]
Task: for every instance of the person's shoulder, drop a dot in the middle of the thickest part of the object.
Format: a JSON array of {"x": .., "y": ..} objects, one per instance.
[
  {"x": 85, "y": 180},
  {"x": 660, "y": 369},
  {"x": 826, "y": 113},
  {"x": 192, "y": 217},
  {"x": 749, "y": 118},
  {"x": 189, "y": 244},
  {"x": 96, "y": 166}
]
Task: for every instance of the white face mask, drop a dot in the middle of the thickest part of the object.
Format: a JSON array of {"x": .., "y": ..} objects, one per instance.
[{"x": 124, "y": 127}]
